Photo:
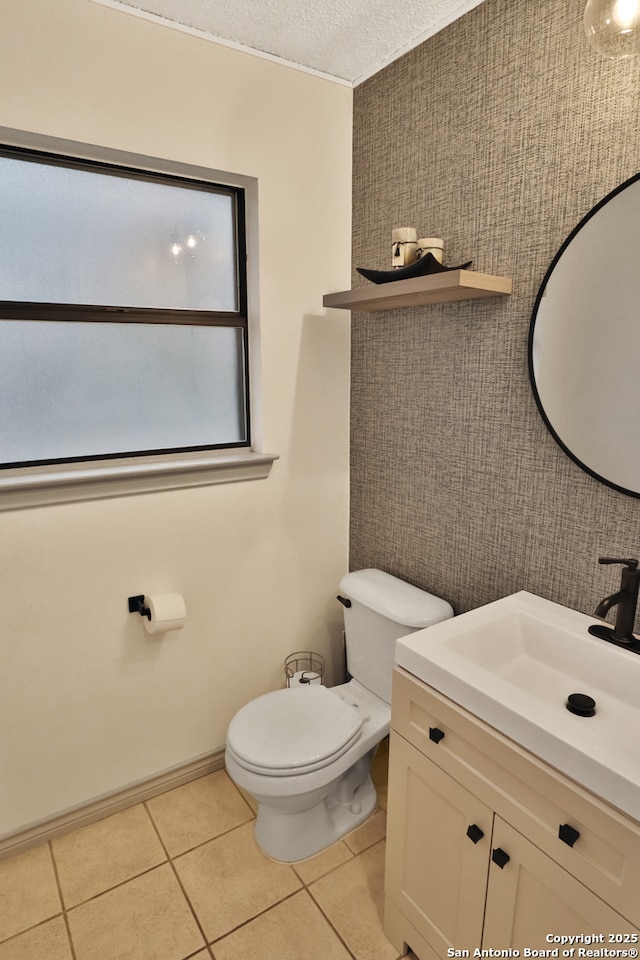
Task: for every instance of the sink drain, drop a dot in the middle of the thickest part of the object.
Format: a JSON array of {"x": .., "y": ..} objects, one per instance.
[{"x": 581, "y": 704}]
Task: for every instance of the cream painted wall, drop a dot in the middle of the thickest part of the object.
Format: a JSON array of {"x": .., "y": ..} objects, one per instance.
[{"x": 89, "y": 702}]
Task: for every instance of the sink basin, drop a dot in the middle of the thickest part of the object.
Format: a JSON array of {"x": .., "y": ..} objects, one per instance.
[{"x": 513, "y": 663}]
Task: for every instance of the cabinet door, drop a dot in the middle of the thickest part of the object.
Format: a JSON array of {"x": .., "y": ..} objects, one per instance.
[
  {"x": 436, "y": 874},
  {"x": 530, "y": 896}
]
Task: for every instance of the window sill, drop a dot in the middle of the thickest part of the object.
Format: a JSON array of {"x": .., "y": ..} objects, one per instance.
[{"x": 64, "y": 483}]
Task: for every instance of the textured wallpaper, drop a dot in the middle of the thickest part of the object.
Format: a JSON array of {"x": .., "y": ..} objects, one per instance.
[{"x": 498, "y": 134}]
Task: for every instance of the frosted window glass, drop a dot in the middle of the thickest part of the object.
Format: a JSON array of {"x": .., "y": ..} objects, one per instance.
[
  {"x": 84, "y": 236},
  {"x": 80, "y": 390}
]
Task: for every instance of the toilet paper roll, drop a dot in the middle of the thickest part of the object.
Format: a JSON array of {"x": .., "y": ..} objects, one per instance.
[
  {"x": 302, "y": 678},
  {"x": 168, "y": 612}
]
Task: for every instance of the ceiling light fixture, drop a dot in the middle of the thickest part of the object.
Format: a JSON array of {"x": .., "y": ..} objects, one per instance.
[{"x": 613, "y": 27}]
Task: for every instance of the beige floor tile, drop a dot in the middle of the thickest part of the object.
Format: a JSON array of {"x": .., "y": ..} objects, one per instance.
[
  {"x": 352, "y": 897},
  {"x": 145, "y": 919},
  {"x": 315, "y": 867},
  {"x": 370, "y": 832},
  {"x": 28, "y": 891},
  {"x": 229, "y": 881},
  {"x": 198, "y": 811},
  {"x": 49, "y": 941},
  {"x": 294, "y": 930},
  {"x": 97, "y": 857}
]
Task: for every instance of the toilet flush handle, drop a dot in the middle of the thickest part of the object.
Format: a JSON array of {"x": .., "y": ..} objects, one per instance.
[{"x": 344, "y": 601}]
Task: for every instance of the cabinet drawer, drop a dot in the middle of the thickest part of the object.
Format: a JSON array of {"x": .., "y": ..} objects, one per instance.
[{"x": 536, "y": 799}]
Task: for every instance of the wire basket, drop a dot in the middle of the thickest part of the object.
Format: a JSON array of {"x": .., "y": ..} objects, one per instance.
[{"x": 303, "y": 668}]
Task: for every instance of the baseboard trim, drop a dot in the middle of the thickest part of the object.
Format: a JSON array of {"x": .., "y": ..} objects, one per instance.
[{"x": 26, "y": 837}]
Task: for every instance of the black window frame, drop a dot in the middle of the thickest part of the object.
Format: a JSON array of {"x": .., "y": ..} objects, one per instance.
[{"x": 104, "y": 313}]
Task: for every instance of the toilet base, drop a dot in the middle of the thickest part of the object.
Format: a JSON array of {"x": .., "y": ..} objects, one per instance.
[{"x": 289, "y": 835}]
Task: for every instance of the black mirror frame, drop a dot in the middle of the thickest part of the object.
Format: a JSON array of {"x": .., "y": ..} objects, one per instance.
[{"x": 583, "y": 466}]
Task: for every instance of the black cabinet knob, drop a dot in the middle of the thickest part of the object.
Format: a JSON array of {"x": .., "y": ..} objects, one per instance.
[
  {"x": 500, "y": 858},
  {"x": 436, "y": 734},
  {"x": 568, "y": 834},
  {"x": 475, "y": 833}
]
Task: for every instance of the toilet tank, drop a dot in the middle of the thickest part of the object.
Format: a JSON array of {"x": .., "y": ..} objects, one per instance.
[{"x": 383, "y": 608}]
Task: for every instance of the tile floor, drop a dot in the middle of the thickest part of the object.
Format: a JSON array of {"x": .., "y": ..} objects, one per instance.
[{"x": 180, "y": 876}]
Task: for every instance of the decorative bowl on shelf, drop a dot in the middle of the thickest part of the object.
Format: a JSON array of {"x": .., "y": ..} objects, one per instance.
[{"x": 419, "y": 268}]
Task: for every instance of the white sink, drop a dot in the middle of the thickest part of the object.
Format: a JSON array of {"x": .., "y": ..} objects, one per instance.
[{"x": 514, "y": 662}]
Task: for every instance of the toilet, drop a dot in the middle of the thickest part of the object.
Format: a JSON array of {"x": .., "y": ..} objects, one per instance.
[{"x": 304, "y": 753}]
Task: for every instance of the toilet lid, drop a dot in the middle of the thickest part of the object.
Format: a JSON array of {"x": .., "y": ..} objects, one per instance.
[{"x": 293, "y": 731}]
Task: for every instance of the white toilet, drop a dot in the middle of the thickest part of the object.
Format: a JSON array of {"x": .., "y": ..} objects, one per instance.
[{"x": 305, "y": 753}]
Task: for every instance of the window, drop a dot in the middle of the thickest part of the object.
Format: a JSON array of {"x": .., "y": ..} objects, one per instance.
[{"x": 124, "y": 326}]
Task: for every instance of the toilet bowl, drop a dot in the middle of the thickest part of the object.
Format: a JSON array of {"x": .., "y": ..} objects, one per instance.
[{"x": 305, "y": 754}]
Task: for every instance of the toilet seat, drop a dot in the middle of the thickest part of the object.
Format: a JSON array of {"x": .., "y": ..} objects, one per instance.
[{"x": 289, "y": 732}]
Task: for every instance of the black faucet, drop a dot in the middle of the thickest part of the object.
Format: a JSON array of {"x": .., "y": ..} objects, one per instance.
[{"x": 626, "y": 600}]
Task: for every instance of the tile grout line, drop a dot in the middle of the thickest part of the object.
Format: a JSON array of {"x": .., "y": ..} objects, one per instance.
[
  {"x": 195, "y": 953},
  {"x": 202, "y": 843},
  {"x": 116, "y": 886},
  {"x": 319, "y": 906},
  {"x": 245, "y": 923},
  {"x": 65, "y": 918},
  {"x": 337, "y": 932},
  {"x": 205, "y": 939},
  {"x": 40, "y": 923},
  {"x": 209, "y": 943},
  {"x": 177, "y": 878}
]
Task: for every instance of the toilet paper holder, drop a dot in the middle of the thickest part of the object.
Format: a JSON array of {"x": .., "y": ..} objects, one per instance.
[
  {"x": 304, "y": 667},
  {"x": 136, "y": 605}
]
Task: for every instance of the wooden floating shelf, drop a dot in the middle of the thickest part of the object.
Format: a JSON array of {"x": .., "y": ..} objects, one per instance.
[{"x": 433, "y": 288}]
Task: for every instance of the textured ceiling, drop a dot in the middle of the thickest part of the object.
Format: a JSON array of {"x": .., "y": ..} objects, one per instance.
[{"x": 346, "y": 39}]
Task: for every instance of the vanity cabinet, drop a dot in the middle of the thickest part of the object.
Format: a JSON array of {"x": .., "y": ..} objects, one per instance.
[{"x": 489, "y": 848}]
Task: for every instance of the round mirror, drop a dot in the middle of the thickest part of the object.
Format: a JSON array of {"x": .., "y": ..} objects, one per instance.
[{"x": 584, "y": 342}]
